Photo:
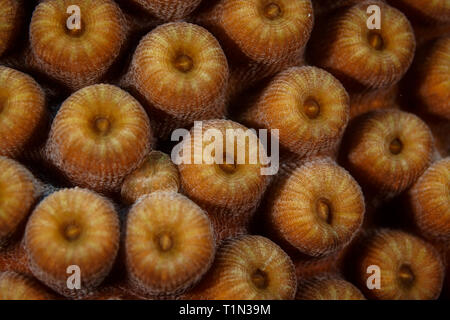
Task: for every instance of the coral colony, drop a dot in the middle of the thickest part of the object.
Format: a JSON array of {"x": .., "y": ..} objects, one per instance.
[{"x": 224, "y": 149}]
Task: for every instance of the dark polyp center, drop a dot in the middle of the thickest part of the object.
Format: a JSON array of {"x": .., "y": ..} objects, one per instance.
[
  {"x": 396, "y": 146},
  {"x": 164, "y": 242},
  {"x": 272, "y": 11},
  {"x": 72, "y": 231},
  {"x": 406, "y": 275},
  {"x": 260, "y": 279},
  {"x": 323, "y": 210},
  {"x": 183, "y": 63},
  {"x": 102, "y": 125},
  {"x": 2, "y": 103},
  {"x": 229, "y": 164},
  {"x": 311, "y": 108},
  {"x": 375, "y": 40}
]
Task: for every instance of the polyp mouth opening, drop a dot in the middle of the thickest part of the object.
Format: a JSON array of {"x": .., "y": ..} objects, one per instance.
[
  {"x": 396, "y": 146},
  {"x": 102, "y": 125},
  {"x": 228, "y": 164},
  {"x": 376, "y": 40},
  {"x": 183, "y": 63},
  {"x": 406, "y": 275},
  {"x": 72, "y": 231},
  {"x": 164, "y": 242},
  {"x": 272, "y": 11},
  {"x": 323, "y": 210},
  {"x": 311, "y": 108},
  {"x": 260, "y": 279}
]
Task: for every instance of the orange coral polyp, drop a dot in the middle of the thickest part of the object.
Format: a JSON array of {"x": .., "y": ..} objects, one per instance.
[
  {"x": 15, "y": 286},
  {"x": 430, "y": 201},
  {"x": 308, "y": 106},
  {"x": 22, "y": 111},
  {"x": 433, "y": 82},
  {"x": 318, "y": 208},
  {"x": 10, "y": 20},
  {"x": 157, "y": 173},
  {"x": 99, "y": 136},
  {"x": 378, "y": 58},
  {"x": 79, "y": 57},
  {"x": 411, "y": 269},
  {"x": 181, "y": 69},
  {"x": 327, "y": 287},
  {"x": 19, "y": 191},
  {"x": 250, "y": 268},
  {"x": 267, "y": 31},
  {"x": 72, "y": 227},
  {"x": 169, "y": 243},
  {"x": 389, "y": 150},
  {"x": 169, "y": 10}
]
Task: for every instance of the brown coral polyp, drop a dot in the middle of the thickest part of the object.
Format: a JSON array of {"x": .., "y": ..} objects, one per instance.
[
  {"x": 19, "y": 191},
  {"x": 426, "y": 11},
  {"x": 10, "y": 16},
  {"x": 15, "y": 286},
  {"x": 99, "y": 136},
  {"x": 326, "y": 287},
  {"x": 260, "y": 37},
  {"x": 22, "y": 111},
  {"x": 430, "y": 199},
  {"x": 433, "y": 79},
  {"x": 317, "y": 209},
  {"x": 78, "y": 57},
  {"x": 250, "y": 268},
  {"x": 72, "y": 227},
  {"x": 169, "y": 10},
  {"x": 169, "y": 244},
  {"x": 264, "y": 31},
  {"x": 157, "y": 173},
  {"x": 410, "y": 268},
  {"x": 181, "y": 71},
  {"x": 361, "y": 57},
  {"x": 369, "y": 100},
  {"x": 388, "y": 150},
  {"x": 228, "y": 191},
  {"x": 308, "y": 106}
]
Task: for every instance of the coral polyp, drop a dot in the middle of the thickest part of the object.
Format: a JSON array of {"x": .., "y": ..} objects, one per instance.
[
  {"x": 79, "y": 55},
  {"x": 307, "y": 105},
  {"x": 426, "y": 11},
  {"x": 19, "y": 191},
  {"x": 264, "y": 31},
  {"x": 10, "y": 16},
  {"x": 228, "y": 189},
  {"x": 15, "y": 286},
  {"x": 430, "y": 201},
  {"x": 72, "y": 227},
  {"x": 363, "y": 57},
  {"x": 366, "y": 101},
  {"x": 388, "y": 150},
  {"x": 250, "y": 268},
  {"x": 169, "y": 9},
  {"x": 99, "y": 136},
  {"x": 327, "y": 288},
  {"x": 169, "y": 244},
  {"x": 317, "y": 209},
  {"x": 182, "y": 72},
  {"x": 411, "y": 269},
  {"x": 22, "y": 112},
  {"x": 260, "y": 38},
  {"x": 157, "y": 173},
  {"x": 433, "y": 79}
]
